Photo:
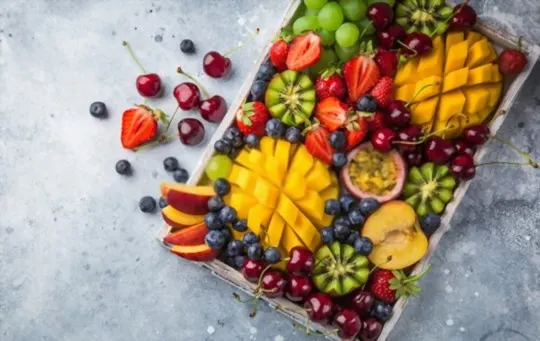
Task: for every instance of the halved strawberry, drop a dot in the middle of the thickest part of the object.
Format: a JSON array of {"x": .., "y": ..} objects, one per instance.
[
  {"x": 317, "y": 142},
  {"x": 361, "y": 74},
  {"x": 305, "y": 51},
  {"x": 140, "y": 125},
  {"x": 355, "y": 132},
  {"x": 332, "y": 113},
  {"x": 251, "y": 118}
]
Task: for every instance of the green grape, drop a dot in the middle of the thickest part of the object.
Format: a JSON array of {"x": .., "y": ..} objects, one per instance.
[
  {"x": 366, "y": 27},
  {"x": 311, "y": 11},
  {"x": 331, "y": 16},
  {"x": 219, "y": 166},
  {"x": 328, "y": 37},
  {"x": 347, "y": 34},
  {"x": 346, "y": 53},
  {"x": 328, "y": 59},
  {"x": 306, "y": 23},
  {"x": 353, "y": 10},
  {"x": 315, "y": 4}
]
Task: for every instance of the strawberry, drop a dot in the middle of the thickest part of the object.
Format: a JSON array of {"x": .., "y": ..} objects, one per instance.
[
  {"x": 251, "y": 118},
  {"x": 305, "y": 51},
  {"x": 388, "y": 62},
  {"x": 383, "y": 92},
  {"x": 356, "y": 132},
  {"x": 332, "y": 113},
  {"x": 375, "y": 122},
  {"x": 330, "y": 84},
  {"x": 278, "y": 54},
  {"x": 317, "y": 142},
  {"x": 388, "y": 286},
  {"x": 140, "y": 125},
  {"x": 361, "y": 74},
  {"x": 512, "y": 61}
]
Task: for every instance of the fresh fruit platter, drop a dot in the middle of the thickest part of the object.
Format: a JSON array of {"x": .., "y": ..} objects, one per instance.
[{"x": 335, "y": 173}]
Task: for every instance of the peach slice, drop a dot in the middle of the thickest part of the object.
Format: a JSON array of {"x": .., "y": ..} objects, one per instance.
[
  {"x": 187, "y": 199},
  {"x": 198, "y": 253},
  {"x": 178, "y": 219},
  {"x": 398, "y": 240},
  {"x": 193, "y": 235}
]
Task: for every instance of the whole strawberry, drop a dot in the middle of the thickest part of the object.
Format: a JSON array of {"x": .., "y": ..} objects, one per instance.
[
  {"x": 388, "y": 286},
  {"x": 383, "y": 92},
  {"x": 388, "y": 62},
  {"x": 280, "y": 50},
  {"x": 512, "y": 61},
  {"x": 355, "y": 131},
  {"x": 317, "y": 142},
  {"x": 251, "y": 118},
  {"x": 140, "y": 125},
  {"x": 330, "y": 84}
]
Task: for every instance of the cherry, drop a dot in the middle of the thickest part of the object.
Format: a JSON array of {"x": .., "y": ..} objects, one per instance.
[
  {"x": 416, "y": 44},
  {"x": 299, "y": 288},
  {"x": 190, "y": 131},
  {"x": 380, "y": 14},
  {"x": 213, "y": 109},
  {"x": 414, "y": 158},
  {"x": 410, "y": 134},
  {"x": 148, "y": 84},
  {"x": 463, "y": 148},
  {"x": 273, "y": 283},
  {"x": 319, "y": 306},
  {"x": 187, "y": 95},
  {"x": 216, "y": 65},
  {"x": 439, "y": 150},
  {"x": 388, "y": 62},
  {"x": 477, "y": 134},
  {"x": 252, "y": 269},
  {"x": 301, "y": 261},
  {"x": 371, "y": 329},
  {"x": 462, "y": 166},
  {"x": 362, "y": 302},
  {"x": 348, "y": 322},
  {"x": 382, "y": 139},
  {"x": 388, "y": 38},
  {"x": 398, "y": 115},
  {"x": 464, "y": 17}
]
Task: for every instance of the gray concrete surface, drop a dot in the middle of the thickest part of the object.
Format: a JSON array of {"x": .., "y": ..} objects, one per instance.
[{"x": 78, "y": 260}]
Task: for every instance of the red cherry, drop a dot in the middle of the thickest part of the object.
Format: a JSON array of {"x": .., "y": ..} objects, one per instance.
[
  {"x": 371, "y": 329},
  {"x": 417, "y": 44},
  {"x": 274, "y": 283},
  {"x": 349, "y": 323},
  {"x": 187, "y": 95},
  {"x": 213, "y": 109},
  {"x": 382, "y": 139},
  {"x": 388, "y": 62},
  {"x": 299, "y": 288},
  {"x": 362, "y": 302},
  {"x": 388, "y": 38},
  {"x": 439, "y": 150},
  {"x": 414, "y": 158},
  {"x": 319, "y": 306},
  {"x": 464, "y": 17},
  {"x": 477, "y": 134},
  {"x": 398, "y": 114},
  {"x": 463, "y": 148},
  {"x": 252, "y": 270},
  {"x": 410, "y": 133},
  {"x": 462, "y": 166},
  {"x": 380, "y": 14},
  {"x": 301, "y": 261},
  {"x": 148, "y": 85},
  {"x": 190, "y": 131},
  {"x": 216, "y": 65}
]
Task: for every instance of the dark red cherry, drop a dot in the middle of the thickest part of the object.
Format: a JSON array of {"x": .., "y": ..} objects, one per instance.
[
  {"x": 371, "y": 329},
  {"x": 190, "y": 131},
  {"x": 299, "y": 288},
  {"x": 398, "y": 114},
  {"x": 477, "y": 134},
  {"x": 464, "y": 17},
  {"x": 252, "y": 269},
  {"x": 462, "y": 166},
  {"x": 274, "y": 283},
  {"x": 380, "y": 14},
  {"x": 187, "y": 95},
  {"x": 148, "y": 85},
  {"x": 415, "y": 157},
  {"x": 388, "y": 38},
  {"x": 216, "y": 65},
  {"x": 301, "y": 261},
  {"x": 463, "y": 147},
  {"x": 416, "y": 44},
  {"x": 319, "y": 306},
  {"x": 213, "y": 109},
  {"x": 439, "y": 150},
  {"x": 362, "y": 302},
  {"x": 348, "y": 322},
  {"x": 410, "y": 133},
  {"x": 382, "y": 139}
]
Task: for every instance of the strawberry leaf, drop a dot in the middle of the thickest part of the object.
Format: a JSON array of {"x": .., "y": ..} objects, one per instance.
[
  {"x": 246, "y": 121},
  {"x": 248, "y": 107}
]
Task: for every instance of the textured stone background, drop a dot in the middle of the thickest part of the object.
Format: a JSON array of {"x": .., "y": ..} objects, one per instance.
[{"x": 78, "y": 260}]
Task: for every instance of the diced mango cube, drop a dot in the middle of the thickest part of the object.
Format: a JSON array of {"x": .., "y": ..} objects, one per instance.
[
  {"x": 305, "y": 230},
  {"x": 494, "y": 90},
  {"x": 405, "y": 93},
  {"x": 287, "y": 209},
  {"x": 243, "y": 177},
  {"x": 473, "y": 37},
  {"x": 427, "y": 88},
  {"x": 302, "y": 161},
  {"x": 266, "y": 193},
  {"x": 456, "y": 57},
  {"x": 455, "y": 79},
  {"x": 432, "y": 63},
  {"x": 242, "y": 203},
  {"x": 275, "y": 230},
  {"x": 318, "y": 177},
  {"x": 480, "y": 75},
  {"x": 451, "y": 105},
  {"x": 331, "y": 192},
  {"x": 496, "y": 75},
  {"x": 289, "y": 239},
  {"x": 295, "y": 186},
  {"x": 267, "y": 145},
  {"x": 477, "y": 99},
  {"x": 324, "y": 222},
  {"x": 274, "y": 170},
  {"x": 243, "y": 159},
  {"x": 453, "y": 38},
  {"x": 312, "y": 205},
  {"x": 480, "y": 53},
  {"x": 407, "y": 73},
  {"x": 258, "y": 219},
  {"x": 283, "y": 152}
]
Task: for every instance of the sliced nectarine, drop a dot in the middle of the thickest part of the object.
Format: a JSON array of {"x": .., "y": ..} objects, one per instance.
[
  {"x": 193, "y": 235},
  {"x": 186, "y": 198},
  {"x": 178, "y": 219},
  {"x": 198, "y": 253}
]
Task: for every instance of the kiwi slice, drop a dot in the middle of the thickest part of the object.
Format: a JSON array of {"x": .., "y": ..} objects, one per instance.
[
  {"x": 339, "y": 270},
  {"x": 426, "y": 16},
  {"x": 429, "y": 188},
  {"x": 291, "y": 97}
]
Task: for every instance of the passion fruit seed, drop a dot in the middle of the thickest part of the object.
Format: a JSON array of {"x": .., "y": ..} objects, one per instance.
[{"x": 373, "y": 171}]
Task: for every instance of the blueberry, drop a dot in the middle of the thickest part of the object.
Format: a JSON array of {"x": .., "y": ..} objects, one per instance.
[
  {"x": 232, "y": 134},
  {"x": 235, "y": 248},
  {"x": 339, "y": 160},
  {"x": 382, "y": 311},
  {"x": 123, "y": 167},
  {"x": 266, "y": 72},
  {"x": 341, "y": 231},
  {"x": 338, "y": 140},
  {"x": 230, "y": 262},
  {"x": 147, "y": 204},
  {"x": 366, "y": 103},
  {"x": 98, "y": 109},
  {"x": 347, "y": 203},
  {"x": 212, "y": 221},
  {"x": 257, "y": 91},
  {"x": 162, "y": 202},
  {"x": 222, "y": 146},
  {"x": 342, "y": 220},
  {"x": 215, "y": 204},
  {"x": 215, "y": 239},
  {"x": 272, "y": 255},
  {"x": 252, "y": 141},
  {"x": 170, "y": 164},
  {"x": 430, "y": 223},
  {"x": 356, "y": 217},
  {"x": 234, "y": 152},
  {"x": 255, "y": 251},
  {"x": 239, "y": 261},
  {"x": 240, "y": 225},
  {"x": 250, "y": 238},
  {"x": 368, "y": 206},
  {"x": 293, "y": 135},
  {"x": 332, "y": 207},
  {"x": 180, "y": 175},
  {"x": 327, "y": 235},
  {"x": 363, "y": 246},
  {"x": 353, "y": 237},
  {"x": 275, "y": 128},
  {"x": 226, "y": 233},
  {"x": 222, "y": 187},
  {"x": 228, "y": 215},
  {"x": 187, "y": 46}
]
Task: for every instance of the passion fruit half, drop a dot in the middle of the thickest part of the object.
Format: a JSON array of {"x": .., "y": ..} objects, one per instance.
[{"x": 373, "y": 174}]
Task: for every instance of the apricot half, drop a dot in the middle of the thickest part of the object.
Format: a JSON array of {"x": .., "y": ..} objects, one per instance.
[{"x": 398, "y": 240}]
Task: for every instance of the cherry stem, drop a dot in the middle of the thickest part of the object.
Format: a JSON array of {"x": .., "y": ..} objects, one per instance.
[
  {"x": 171, "y": 119},
  {"x": 503, "y": 163},
  {"x": 182, "y": 72},
  {"x": 128, "y": 47},
  {"x": 160, "y": 140},
  {"x": 530, "y": 161},
  {"x": 234, "y": 49},
  {"x": 408, "y": 48}
]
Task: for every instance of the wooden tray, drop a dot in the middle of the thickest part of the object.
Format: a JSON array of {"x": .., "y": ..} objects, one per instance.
[{"x": 511, "y": 89}]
